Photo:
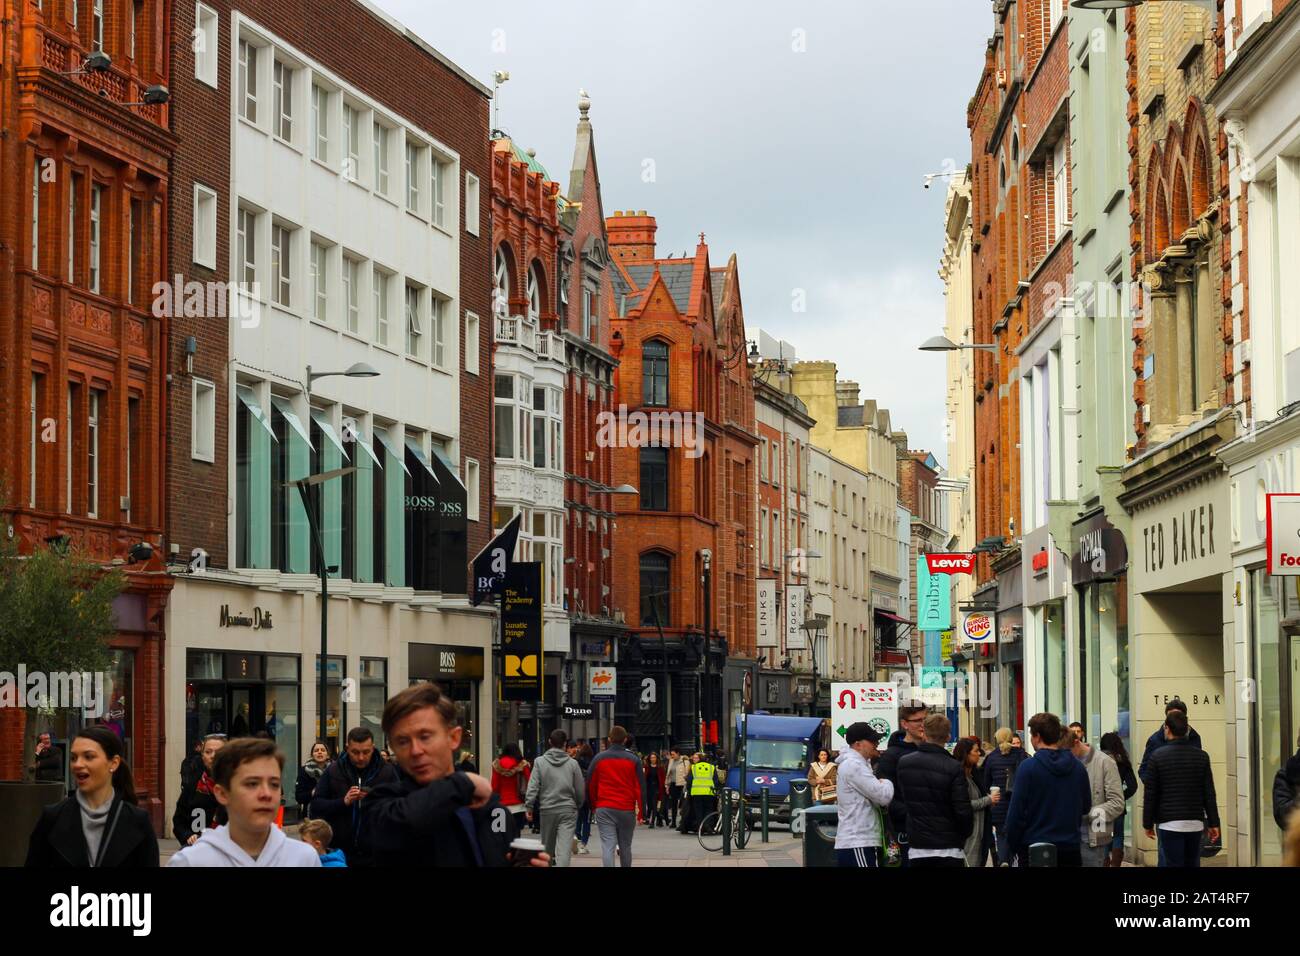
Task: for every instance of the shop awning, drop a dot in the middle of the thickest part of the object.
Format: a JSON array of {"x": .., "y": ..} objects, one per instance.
[
  {"x": 388, "y": 447},
  {"x": 362, "y": 441},
  {"x": 414, "y": 448},
  {"x": 318, "y": 416},
  {"x": 285, "y": 408},
  {"x": 245, "y": 395},
  {"x": 441, "y": 454},
  {"x": 891, "y": 616}
]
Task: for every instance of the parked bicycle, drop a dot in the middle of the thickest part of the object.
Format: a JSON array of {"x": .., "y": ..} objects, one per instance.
[{"x": 711, "y": 827}]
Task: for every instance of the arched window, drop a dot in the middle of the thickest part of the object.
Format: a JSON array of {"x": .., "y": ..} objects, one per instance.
[
  {"x": 534, "y": 294},
  {"x": 654, "y": 479},
  {"x": 654, "y": 373},
  {"x": 656, "y": 598},
  {"x": 501, "y": 288},
  {"x": 1015, "y": 147}
]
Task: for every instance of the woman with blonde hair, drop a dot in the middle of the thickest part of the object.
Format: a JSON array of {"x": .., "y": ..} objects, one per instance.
[{"x": 1000, "y": 771}]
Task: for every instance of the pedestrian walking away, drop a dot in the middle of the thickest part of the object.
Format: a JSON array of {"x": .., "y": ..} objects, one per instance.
[
  {"x": 433, "y": 815},
  {"x": 1158, "y": 739},
  {"x": 557, "y": 788},
  {"x": 341, "y": 797},
  {"x": 309, "y": 775},
  {"x": 1113, "y": 747},
  {"x": 1051, "y": 796},
  {"x": 939, "y": 813},
  {"x": 911, "y": 718},
  {"x": 821, "y": 776},
  {"x": 197, "y": 807},
  {"x": 510, "y": 773},
  {"x": 1179, "y": 805},
  {"x": 246, "y": 781},
  {"x": 859, "y": 833},
  {"x": 583, "y": 832},
  {"x": 615, "y": 784},
  {"x": 100, "y": 825},
  {"x": 980, "y": 842},
  {"x": 1096, "y": 828}
]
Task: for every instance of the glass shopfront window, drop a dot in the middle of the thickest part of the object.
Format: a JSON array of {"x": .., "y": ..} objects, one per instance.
[
  {"x": 374, "y": 695},
  {"x": 1053, "y": 636},
  {"x": 335, "y": 702},
  {"x": 1272, "y": 739}
]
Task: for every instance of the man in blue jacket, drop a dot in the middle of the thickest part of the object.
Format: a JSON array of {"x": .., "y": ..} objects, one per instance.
[
  {"x": 1158, "y": 739},
  {"x": 1050, "y": 797}
]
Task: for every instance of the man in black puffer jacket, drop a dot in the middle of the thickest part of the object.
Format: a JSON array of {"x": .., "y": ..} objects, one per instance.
[
  {"x": 1179, "y": 801},
  {"x": 342, "y": 795},
  {"x": 939, "y": 813},
  {"x": 901, "y": 743},
  {"x": 1286, "y": 791}
]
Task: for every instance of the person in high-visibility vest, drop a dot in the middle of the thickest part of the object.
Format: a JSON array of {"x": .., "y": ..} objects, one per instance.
[{"x": 704, "y": 788}]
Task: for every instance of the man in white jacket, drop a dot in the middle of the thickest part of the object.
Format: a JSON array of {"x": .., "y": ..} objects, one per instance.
[
  {"x": 1107, "y": 799},
  {"x": 246, "y": 776},
  {"x": 858, "y": 836}
]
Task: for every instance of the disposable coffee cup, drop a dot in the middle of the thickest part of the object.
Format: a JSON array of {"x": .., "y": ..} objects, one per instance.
[
  {"x": 525, "y": 849},
  {"x": 993, "y": 790}
]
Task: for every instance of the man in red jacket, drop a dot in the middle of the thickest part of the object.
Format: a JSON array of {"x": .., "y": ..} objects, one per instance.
[{"x": 614, "y": 787}]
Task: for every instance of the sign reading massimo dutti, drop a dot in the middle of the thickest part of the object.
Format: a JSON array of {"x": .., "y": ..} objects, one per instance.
[{"x": 435, "y": 524}]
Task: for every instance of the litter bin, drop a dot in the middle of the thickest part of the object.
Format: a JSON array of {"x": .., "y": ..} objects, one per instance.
[
  {"x": 820, "y": 824},
  {"x": 800, "y": 795}
]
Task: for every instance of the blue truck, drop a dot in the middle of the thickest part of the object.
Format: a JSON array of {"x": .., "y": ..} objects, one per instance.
[{"x": 774, "y": 749}]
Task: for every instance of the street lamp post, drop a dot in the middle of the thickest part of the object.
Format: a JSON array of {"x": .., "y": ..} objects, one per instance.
[
  {"x": 1209, "y": 6},
  {"x": 706, "y": 706}
]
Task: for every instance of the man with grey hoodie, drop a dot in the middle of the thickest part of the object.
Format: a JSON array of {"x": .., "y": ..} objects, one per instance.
[
  {"x": 557, "y": 789},
  {"x": 1107, "y": 798}
]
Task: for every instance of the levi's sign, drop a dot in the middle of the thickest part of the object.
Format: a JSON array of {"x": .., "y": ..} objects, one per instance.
[
  {"x": 950, "y": 563},
  {"x": 1284, "y": 534}
]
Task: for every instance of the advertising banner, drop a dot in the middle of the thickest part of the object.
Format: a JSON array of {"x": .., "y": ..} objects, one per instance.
[
  {"x": 521, "y": 633},
  {"x": 875, "y": 704},
  {"x": 795, "y": 597},
  {"x": 602, "y": 684},
  {"x": 933, "y": 598},
  {"x": 768, "y": 633}
]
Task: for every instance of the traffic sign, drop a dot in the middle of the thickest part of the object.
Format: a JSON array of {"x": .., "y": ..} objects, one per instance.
[{"x": 875, "y": 704}]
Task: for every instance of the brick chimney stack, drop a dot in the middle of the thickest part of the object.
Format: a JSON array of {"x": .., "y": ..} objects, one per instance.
[{"x": 631, "y": 235}]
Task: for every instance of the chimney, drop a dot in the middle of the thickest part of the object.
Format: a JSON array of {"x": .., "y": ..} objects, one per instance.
[
  {"x": 846, "y": 393},
  {"x": 631, "y": 235}
]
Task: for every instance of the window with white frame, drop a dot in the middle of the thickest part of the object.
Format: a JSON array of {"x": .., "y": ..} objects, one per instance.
[
  {"x": 92, "y": 260},
  {"x": 36, "y": 213},
  {"x": 246, "y": 247},
  {"x": 97, "y": 26},
  {"x": 414, "y": 319},
  {"x": 1060, "y": 192},
  {"x": 415, "y": 154},
  {"x": 92, "y": 453},
  {"x": 438, "y": 329},
  {"x": 203, "y": 421},
  {"x": 1055, "y": 12},
  {"x": 320, "y": 256},
  {"x": 205, "y": 43},
  {"x": 471, "y": 204},
  {"x": 352, "y": 141},
  {"x": 503, "y": 394},
  {"x": 32, "y": 445},
  {"x": 441, "y": 170},
  {"x": 351, "y": 275},
  {"x": 205, "y": 226},
  {"x": 247, "y": 81},
  {"x": 73, "y": 199},
  {"x": 379, "y": 136},
  {"x": 282, "y": 264},
  {"x": 379, "y": 280},
  {"x": 320, "y": 122},
  {"x": 133, "y": 12},
  {"x": 282, "y": 77},
  {"x": 471, "y": 343},
  {"x": 471, "y": 489}
]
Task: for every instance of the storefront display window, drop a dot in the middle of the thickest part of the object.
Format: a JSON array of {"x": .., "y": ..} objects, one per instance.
[
  {"x": 335, "y": 704},
  {"x": 1053, "y": 628},
  {"x": 1266, "y": 600},
  {"x": 374, "y": 695}
]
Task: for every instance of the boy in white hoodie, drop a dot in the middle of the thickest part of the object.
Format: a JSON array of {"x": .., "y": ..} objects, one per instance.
[
  {"x": 246, "y": 774},
  {"x": 858, "y": 837}
]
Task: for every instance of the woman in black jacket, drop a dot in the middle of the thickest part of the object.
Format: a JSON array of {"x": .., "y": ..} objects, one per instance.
[
  {"x": 1113, "y": 747},
  {"x": 1000, "y": 771},
  {"x": 100, "y": 826},
  {"x": 197, "y": 808},
  {"x": 309, "y": 775}
]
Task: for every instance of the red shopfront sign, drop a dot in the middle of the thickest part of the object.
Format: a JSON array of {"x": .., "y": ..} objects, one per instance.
[{"x": 950, "y": 563}]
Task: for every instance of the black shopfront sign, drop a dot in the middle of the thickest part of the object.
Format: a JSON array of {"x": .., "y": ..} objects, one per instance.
[
  {"x": 435, "y": 525},
  {"x": 435, "y": 662},
  {"x": 579, "y": 713},
  {"x": 1101, "y": 553},
  {"x": 521, "y": 632}
]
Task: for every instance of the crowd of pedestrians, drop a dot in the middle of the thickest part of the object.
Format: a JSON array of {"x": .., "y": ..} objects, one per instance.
[{"x": 422, "y": 803}]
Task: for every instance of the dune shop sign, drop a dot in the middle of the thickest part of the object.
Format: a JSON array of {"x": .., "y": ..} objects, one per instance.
[
  {"x": 521, "y": 632},
  {"x": 435, "y": 522},
  {"x": 1284, "y": 535}
]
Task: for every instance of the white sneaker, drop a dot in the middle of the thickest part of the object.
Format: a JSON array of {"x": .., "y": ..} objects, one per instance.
[
  {"x": 582, "y": 850},
  {"x": 574, "y": 848}
]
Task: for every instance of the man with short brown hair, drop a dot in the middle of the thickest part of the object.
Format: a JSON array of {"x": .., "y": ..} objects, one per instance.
[
  {"x": 906, "y": 740},
  {"x": 433, "y": 815},
  {"x": 939, "y": 813},
  {"x": 1052, "y": 794}
]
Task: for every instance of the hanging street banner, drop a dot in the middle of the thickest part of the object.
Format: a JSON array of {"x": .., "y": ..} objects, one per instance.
[
  {"x": 875, "y": 704},
  {"x": 950, "y": 563},
  {"x": 521, "y": 632},
  {"x": 491, "y": 564},
  {"x": 933, "y": 598},
  {"x": 796, "y": 596},
  {"x": 602, "y": 684},
  {"x": 768, "y": 635}
]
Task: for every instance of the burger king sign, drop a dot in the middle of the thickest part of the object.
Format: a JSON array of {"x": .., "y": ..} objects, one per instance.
[{"x": 977, "y": 627}]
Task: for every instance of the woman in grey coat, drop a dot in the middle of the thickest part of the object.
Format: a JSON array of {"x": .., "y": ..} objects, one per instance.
[{"x": 968, "y": 755}]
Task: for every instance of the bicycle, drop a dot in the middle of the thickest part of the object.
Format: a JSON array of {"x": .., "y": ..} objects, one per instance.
[{"x": 711, "y": 832}]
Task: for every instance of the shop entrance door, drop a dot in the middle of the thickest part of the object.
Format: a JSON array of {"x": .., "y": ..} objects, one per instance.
[
  {"x": 246, "y": 705},
  {"x": 1293, "y": 654}
]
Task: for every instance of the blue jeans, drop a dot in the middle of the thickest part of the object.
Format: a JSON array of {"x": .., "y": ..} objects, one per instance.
[
  {"x": 859, "y": 857},
  {"x": 583, "y": 830},
  {"x": 1181, "y": 850}
]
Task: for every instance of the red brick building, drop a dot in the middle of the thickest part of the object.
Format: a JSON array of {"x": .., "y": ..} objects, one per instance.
[
  {"x": 595, "y": 598},
  {"x": 82, "y": 404},
  {"x": 678, "y": 333}
]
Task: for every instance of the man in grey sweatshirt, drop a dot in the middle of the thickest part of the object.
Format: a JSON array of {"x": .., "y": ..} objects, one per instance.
[{"x": 556, "y": 789}]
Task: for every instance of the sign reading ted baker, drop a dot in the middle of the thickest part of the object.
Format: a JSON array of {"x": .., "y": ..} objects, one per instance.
[{"x": 1181, "y": 538}]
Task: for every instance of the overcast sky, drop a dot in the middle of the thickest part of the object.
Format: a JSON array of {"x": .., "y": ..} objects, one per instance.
[{"x": 806, "y": 163}]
